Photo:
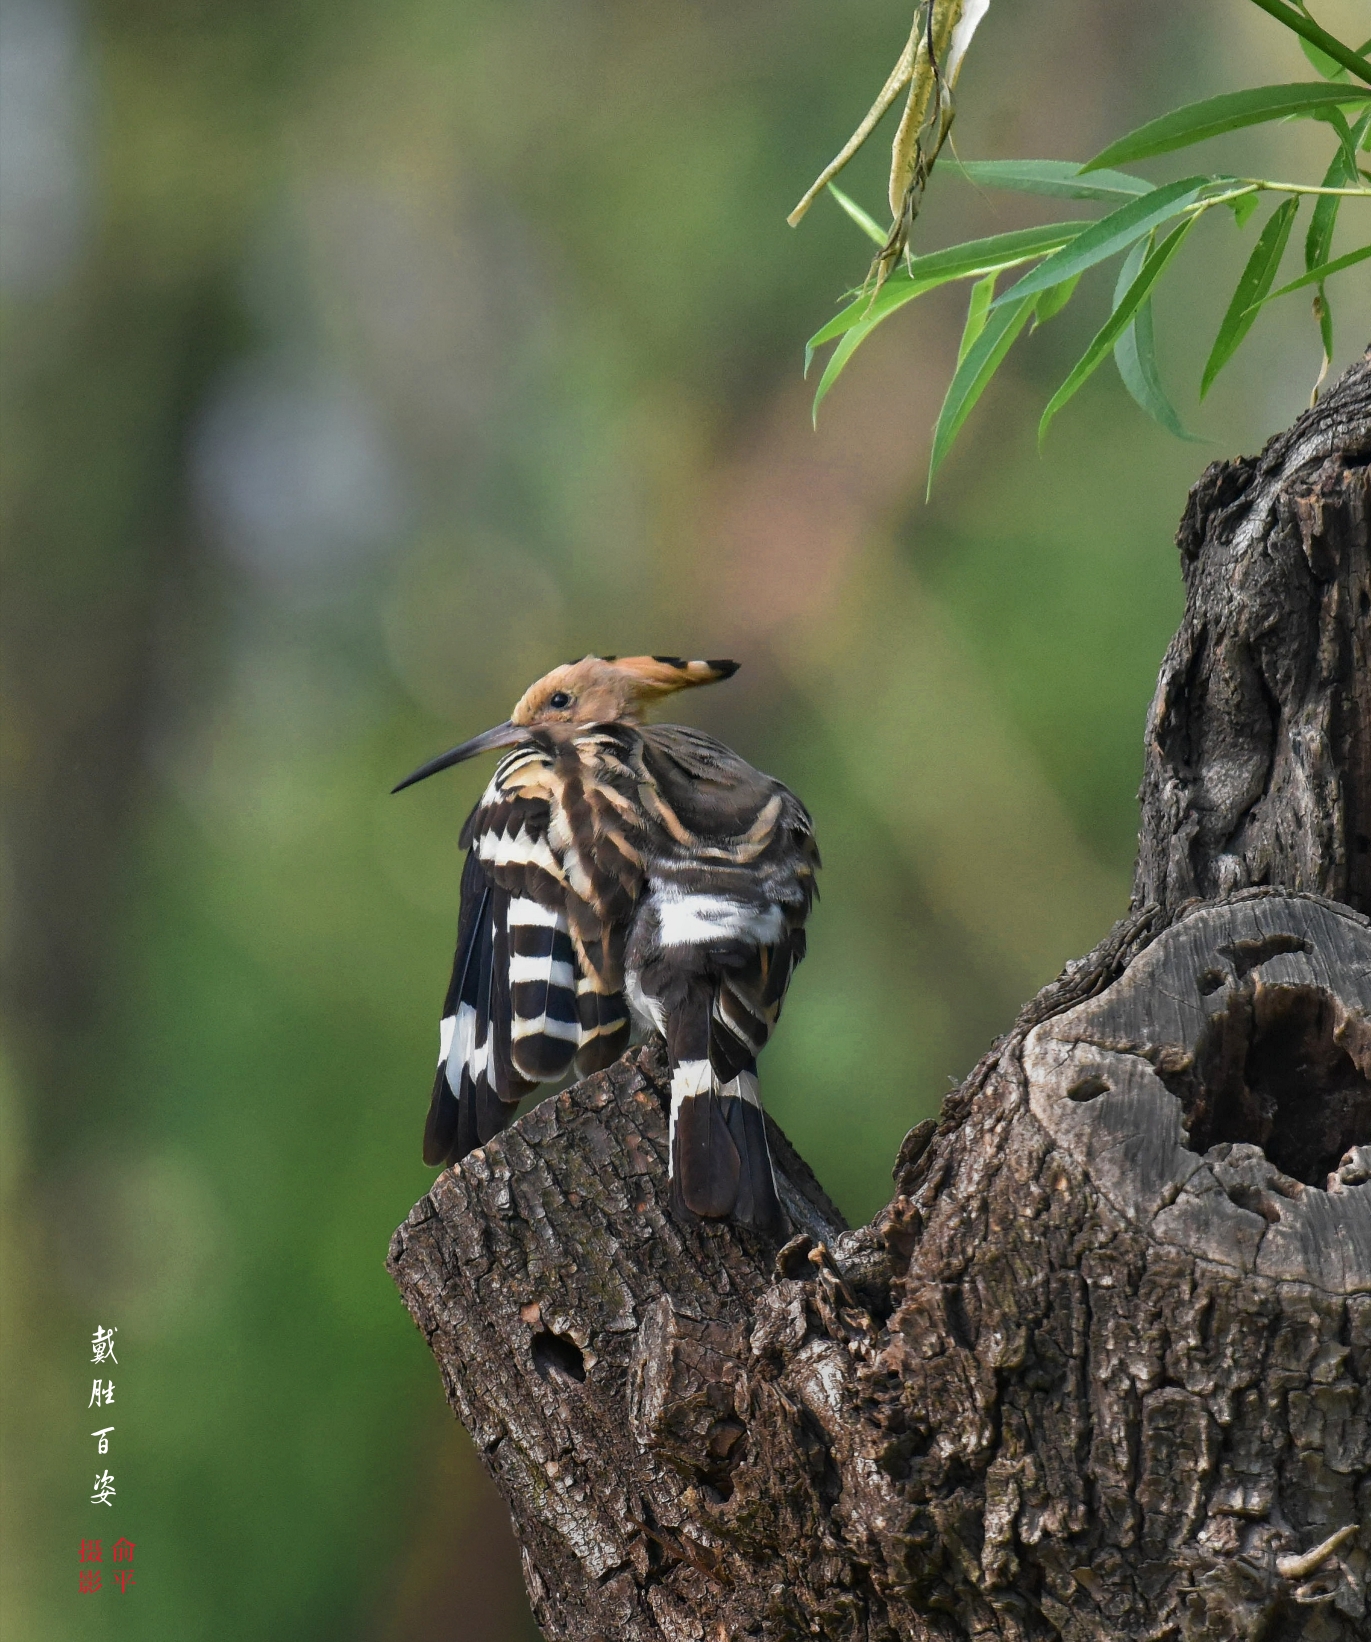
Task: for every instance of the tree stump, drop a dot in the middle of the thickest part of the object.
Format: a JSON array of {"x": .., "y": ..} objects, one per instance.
[{"x": 1102, "y": 1368}]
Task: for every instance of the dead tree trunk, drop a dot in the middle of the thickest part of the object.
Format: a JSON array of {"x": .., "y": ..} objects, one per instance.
[{"x": 1102, "y": 1368}]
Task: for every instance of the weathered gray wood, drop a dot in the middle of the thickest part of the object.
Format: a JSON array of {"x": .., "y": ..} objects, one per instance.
[
  {"x": 1150, "y": 1088},
  {"x": 1259, "y": 739},
  {"x": 1102, "y": 1368}
]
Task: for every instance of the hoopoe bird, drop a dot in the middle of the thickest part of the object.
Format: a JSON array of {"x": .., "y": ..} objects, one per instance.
[{"x": 620, "y": 873}]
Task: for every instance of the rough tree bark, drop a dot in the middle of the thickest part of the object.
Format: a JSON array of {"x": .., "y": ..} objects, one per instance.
[{"x": 1102, "y": 1367}]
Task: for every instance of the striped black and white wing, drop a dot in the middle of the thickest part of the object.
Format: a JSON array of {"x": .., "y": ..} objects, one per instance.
[
  {"x": 522, "y": 1004},
  {"x": 475, "y": 1090}
]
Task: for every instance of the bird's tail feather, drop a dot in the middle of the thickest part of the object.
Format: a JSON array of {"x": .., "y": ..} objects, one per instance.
[{"x": 720, "y": 1161}]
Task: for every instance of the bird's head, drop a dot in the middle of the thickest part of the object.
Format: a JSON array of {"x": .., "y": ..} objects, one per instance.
[{"x": 594, "y": 690}]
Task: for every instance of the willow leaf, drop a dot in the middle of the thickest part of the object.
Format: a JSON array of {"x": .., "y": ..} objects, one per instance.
[
  {"x": 867, "y": 312},
  {"x": 837, "y": 362},
  {"x": 1059, "y": 179},
  {"x": 1243, "y": 208},
  {"x": 1328, "y": 66},
  {"x": 1321, "y": 62},
  {"x": 1254, "y": 282},
  {"x": 1135, "y": 353},
  {"x": 1305, "y": 26},
  {"x": 1334, "y": 117},
  {"x": 981, "y": 361},
  {"x": 867, "y": 223},
  {"x": 1323, "y": 312},
  {"x": 978, "y": 306},
  {"x": 1342, "y": 173},
  {"x": 1316, "y": 276},
  {"x": 972, "y": 259},
  {"x": 1054, "y": 299},
  {"x": 1102, "y": 343},
  {"x": 1197, "y": 122},
  {"x": 1109, "y": 235}
]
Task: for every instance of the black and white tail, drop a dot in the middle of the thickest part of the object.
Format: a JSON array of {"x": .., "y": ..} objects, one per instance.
[{"x": 720, "y": 1160}]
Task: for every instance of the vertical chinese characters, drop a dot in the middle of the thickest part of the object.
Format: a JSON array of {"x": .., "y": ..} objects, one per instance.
[
  {"x": 91, "y": 1554},
  {"x": 88, "y": 1579},
  {"x": 102, "y": 1351},
  {"x": 122, "y": 1551}
]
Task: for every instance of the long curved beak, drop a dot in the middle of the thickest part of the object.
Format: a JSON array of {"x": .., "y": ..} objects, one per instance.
[{"x": 503, "y": 735}]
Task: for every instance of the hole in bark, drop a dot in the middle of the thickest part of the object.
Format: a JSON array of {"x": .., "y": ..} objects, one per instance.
[
  {"x": 557, "y": 1358},
  {"x": 1090, "y": 1087},
  {"x": 723, "y": 1453},
  {"x": 1273, "y": 1069},
  {"x": 723, "y": 1437},
  {"x": 1364, "y": 603}
]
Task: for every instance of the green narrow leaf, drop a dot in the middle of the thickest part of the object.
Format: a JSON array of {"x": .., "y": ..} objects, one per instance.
[
  {"x": 1324, "y": 314},
  {"x": 1242, "y": 208},
  {"x": 868, "y": 224},
  {"x": 975, "y": 371},
  {"x": 837, "y": 362},
  {"x": 1253, "y": 284},
  {"x": 1102, "y": 343},
  {"x": 1054, "y": 299},
  {"x": 1109, "y": 235},
  {"x": 981, "y": 293},
  {"x": 1328, "y": 66},
  {"x": 1316, "y": 276},
  {"x": 1321, "y": 62},
  {"x": 1305, "y": 26},
  {"x": 971, "y": 259},
  {"x": 1318, "y": 242},
  {"x": 1132, "y": 267},
  {"x": 1135, "y": 352},
  {"x": 1058, "y": 178},
  {"x": 1342, "y": 173},
  {"x": 867, "y": 312},
  {"x": 1334, "y": 117},
  {"x": 976, "y": 309},
  {"x": 1211, "y": 118}
]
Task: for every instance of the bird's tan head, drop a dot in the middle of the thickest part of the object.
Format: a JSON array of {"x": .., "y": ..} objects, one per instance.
[
  {"x": 594, "y": 690},
  {"x": 611, "y": 689}
]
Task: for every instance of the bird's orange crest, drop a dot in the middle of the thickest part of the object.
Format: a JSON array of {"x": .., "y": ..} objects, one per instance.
[{"x": 611, "y": 689}]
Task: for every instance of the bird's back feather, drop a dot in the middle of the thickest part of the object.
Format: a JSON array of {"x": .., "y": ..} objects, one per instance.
[{"x": 620, "y": 859}]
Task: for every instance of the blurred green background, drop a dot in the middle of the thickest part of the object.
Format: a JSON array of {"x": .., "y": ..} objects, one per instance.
[{"x": 361, "y": 363}]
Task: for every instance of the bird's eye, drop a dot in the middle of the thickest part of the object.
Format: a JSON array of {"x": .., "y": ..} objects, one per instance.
[{"x": 559, "y": 698}]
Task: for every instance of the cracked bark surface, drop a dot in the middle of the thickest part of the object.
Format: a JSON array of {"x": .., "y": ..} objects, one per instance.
[
  {"x": 1102, "y": 1367},
  {"x": 1258, "y": 746}
]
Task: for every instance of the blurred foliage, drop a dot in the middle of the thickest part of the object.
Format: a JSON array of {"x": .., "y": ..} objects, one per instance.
[{"x": 361, "y": 362}]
